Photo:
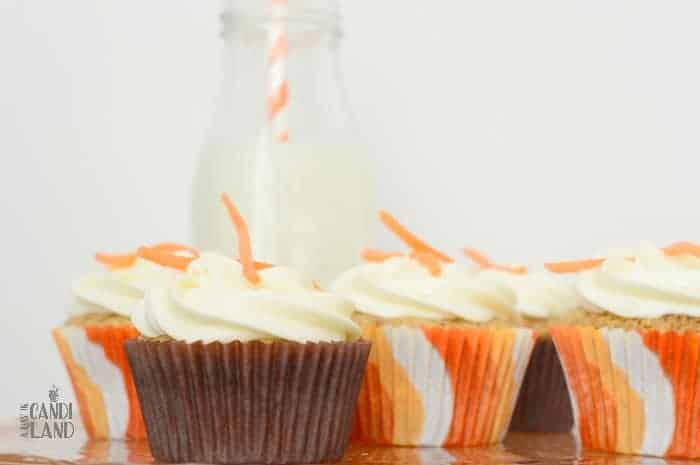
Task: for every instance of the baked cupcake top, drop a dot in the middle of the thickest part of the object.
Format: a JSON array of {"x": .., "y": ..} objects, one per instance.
[
  {"x": 122, "y": 286},
  {"x": 221, "y": 299},
  {"x": 641, "y": 283}
]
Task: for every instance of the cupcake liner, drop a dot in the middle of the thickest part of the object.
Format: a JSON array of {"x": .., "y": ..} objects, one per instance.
[
  {"x": 440, "y": 386},
  {"x": 634, "y": 391},
  {"x": 544, "y": 405},
  {"x": 104, "y": 388},
  {"x": 253, "y": 402}
]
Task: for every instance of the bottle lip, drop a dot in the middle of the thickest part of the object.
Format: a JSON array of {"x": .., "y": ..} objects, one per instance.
[
  {"x": 326, "y": 12},
  {"x": 301, "y": 16}
]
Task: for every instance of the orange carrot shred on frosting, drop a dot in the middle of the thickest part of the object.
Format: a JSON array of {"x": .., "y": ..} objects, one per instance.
[
  {"x": 484, "y": 262},
  {"x": 409, "y": 238},
  {"x": 165, "y": 258},
  {"x": 174, "y": 247},
  {"x": 263, "y": 265},
  {"x": 680, "y": 248},
  {"x": 164, "y": 254},
  {"x": 574, "y": 266},
  {"x": 429, "y": 261},
  {"x": 516, "y": 269},
  {"x": 477, "y": 257},
  {"x": 378, "y": 256},
  {"x": 245, "y": 251},
  {"x": 115, "y": 261}
]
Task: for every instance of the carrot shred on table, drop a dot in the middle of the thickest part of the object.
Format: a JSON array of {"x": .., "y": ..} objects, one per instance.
[
  {"x": 378, "y": 256},
  {"x": 429, "y": 261},
  {"x": 574, "y": 266},
  {"x": 165, "y": 258},
  {"x": 245, "y": 252},
  {"x": 409, "y": 238},
  {"x": 484, "y": 262},
  {"x": 115, "y": 261}
]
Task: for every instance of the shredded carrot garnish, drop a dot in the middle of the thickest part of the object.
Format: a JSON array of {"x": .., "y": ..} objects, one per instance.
[
  {"x": 164, "y": 254},
  {"x": 484, "y": 262},
  {"x": 174, "y": 247},
  {"x": 516, "y": 269},
  {"x": 263, "y": 266},
  {"x": 165, "y": 258},
  {"x": 429, "y": 261},
  {"x": 680, "y": 248},
  {"x": 409, "y": 238},
  {"x": 245, "y": 252},
  {"x": 114, "y": 262},
  {"x": 575, "y": 266},
  {"x": 378, "y": 256},
  {"x": 477, "y": 257}
]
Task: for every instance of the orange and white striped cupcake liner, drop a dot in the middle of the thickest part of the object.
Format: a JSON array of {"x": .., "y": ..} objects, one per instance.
[
  {"x": 633, "y": 391},
  {"x": 99, "y": 371},
  {"x": 440, "y": 386}
]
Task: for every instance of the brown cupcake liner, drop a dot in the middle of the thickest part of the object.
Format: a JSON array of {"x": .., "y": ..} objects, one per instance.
[
  {"x": 543, "y": 404},
  {"x": 253, "y": 402}
]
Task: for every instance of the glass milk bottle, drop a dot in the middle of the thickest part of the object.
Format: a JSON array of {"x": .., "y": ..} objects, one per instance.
[{"x": 283, "y": 144}]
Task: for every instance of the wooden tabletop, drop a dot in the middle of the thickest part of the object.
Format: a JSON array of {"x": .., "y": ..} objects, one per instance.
[{"x": 520, "y": 448}]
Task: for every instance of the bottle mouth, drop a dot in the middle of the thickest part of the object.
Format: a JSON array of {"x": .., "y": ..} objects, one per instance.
[{"x": 299, "y": 15}]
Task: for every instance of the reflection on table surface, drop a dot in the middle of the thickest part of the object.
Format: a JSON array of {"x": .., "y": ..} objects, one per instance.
[{"x": 520, "y": 448}]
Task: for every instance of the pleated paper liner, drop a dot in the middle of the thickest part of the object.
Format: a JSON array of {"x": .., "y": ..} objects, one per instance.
[
  {"x": 99, "y": 371},
  {"x": 543, "y": 405},
  {"x": 254, "y": 402},
  {"x": 439, "y": 385},
  {"x": 634, "y": 391}
]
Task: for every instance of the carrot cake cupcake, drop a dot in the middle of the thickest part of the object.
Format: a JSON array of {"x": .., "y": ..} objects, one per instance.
[
  {"x": 243, "y": 363},
  {"x": 446, "y": 362},
  {"x": 91, "y": 340},
  {"x": 537, "y": 301},
  {"x": 632, "y": 360}
]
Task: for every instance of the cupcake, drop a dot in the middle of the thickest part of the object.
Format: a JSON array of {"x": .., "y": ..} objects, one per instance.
[
  {"x": 91, "y": 340},
  {"x": 631, "y": 362},
  {"x": 538, "y": 301},
  {"x": 446, "y": 362},
  {"x": 241, "y": 363}
]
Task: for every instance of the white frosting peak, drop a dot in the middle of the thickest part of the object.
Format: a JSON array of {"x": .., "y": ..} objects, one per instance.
[
  {"x": 643, "y": 283},
  {"x": 212, "y": 301},
  {"x": 118, "y": 291},
  {"x": 401, "y": 287}
]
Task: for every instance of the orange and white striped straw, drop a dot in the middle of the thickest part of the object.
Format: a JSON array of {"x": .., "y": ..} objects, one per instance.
[{"x": 278, "y": 90}]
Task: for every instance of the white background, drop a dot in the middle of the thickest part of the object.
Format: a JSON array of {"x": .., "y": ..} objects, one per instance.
[{"x": 534, "y": 130}]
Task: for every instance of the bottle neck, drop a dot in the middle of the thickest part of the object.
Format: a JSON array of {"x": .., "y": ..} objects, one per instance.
[{"x": 316, "y": 107}]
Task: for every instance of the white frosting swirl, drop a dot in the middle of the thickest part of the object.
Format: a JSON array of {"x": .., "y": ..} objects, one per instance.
[
  {"x": 643, "y": 283},
  {"x": 535, "y": 295},
  {"x": 212, "y": 301},
  {"x": 118, "y": 291},
  {"x": 401, "y": 287}
]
